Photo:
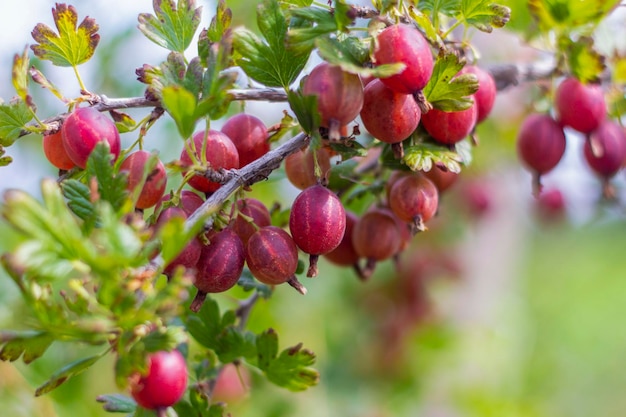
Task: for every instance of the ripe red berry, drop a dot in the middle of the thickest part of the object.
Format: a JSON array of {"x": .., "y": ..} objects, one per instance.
[
  {"x": 55, "y": 151},
  {"x": 189, "y": 256},
  {"x": 164, "y": 383},
  {"x": 389, "y": 116},
  {"x": 300, "y": 167},
  {"x": 345, "y": 254},
  {"x": 251, "y": 216},
  {"x": 605, "y": 149},
  {"x": 317, "y": 223},
  {"x": 414, "y": 199},
  {"x": 339, "y": 96},
  {"x": 272, "y": 256},
  {"x": 249, "y": 135},
  {"x": 485, "y": 97},
  {"x": 83, "y": 129},
  {"x": 376, "y": 237},
  {"x": 580, "y": 106},
  {"x": 449, "y": 127},
  {"x": 443, "y": 179},
  {"x": 220, "y": 265},
  {"x": 540, "y": 145},
  {"x": 405, "y": 44},
  {"x": 188, "y": 201},
  {"x": 155, "y": 183},
  {"x": 551, "y": 205},
  {"x": 220, "y": 152}
]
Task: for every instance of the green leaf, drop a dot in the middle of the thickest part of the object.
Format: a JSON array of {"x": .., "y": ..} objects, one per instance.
[
  {"x": 79, "y": 199},
  {"x": 216, "y": 81},
  {"x": 446, "y": 91},
  {"x": 290, "y": 369},
  {"x": 20, "y": 77},
  {"x": 67, "y": 372},
  {"x": 248, "y": 283},
  {"x": 316, "y": 22},
  {"x": 484, "y": 14},
  {"x": 446, "y": 7},
  {"x": 41, "y": 79},
  {"x": 13, "y": 119},
  {"x": 173, "y": 26},
  {"x": 181, "y": 105},
  {"x": 425, "y": 24},
  {"x": 111, "y": 187},
  {"x": 305, "y": 109},
  {"x": 424, "y": 156},
  {"x": 351, "y": 54},
  {"x": 123, "y": 122},
  {"x": 117, "y": 403},
  {"x": 72, "y": 45},
  {"x": 585, "y": 63},
  {"x": 342, "y": 14},
  {"x": 32, "y": 344},
  {"x": 219, "y": 23},
  {"x": 269, "y": 61},
  {"x": 569, "y": 14}
]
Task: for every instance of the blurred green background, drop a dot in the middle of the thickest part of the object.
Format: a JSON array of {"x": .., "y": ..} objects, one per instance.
[{"x": 497, "y": 313}]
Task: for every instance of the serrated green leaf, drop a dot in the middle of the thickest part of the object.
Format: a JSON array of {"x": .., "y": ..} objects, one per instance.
[
  {"x": 111, "y": 187},
  {"x": 305, "y": 109},
  {"x": 287, "y": 126},
  {"x": 351, "y": 54},
  {"x": 342, "y": 15},
  {"x": 31, "y": 344},
  {"x": 424, "y": 156},
  {"x": 269, "y": 61},
  {"x": 42, "y": 261},
  {"x": 123, "y": 122},
  {"x": 41, "y": 79},
  {"x": 317, "y": 22},
  {"x": 445, "y": 90},
  {"x": 173, "y": 238},
  {"x": 79, "y": 198},
  {"x": 181, "y": 105},
  {"x": 172, "y": 26},
  {"x": 569, "y": 14},
  {"x": 72, "y": 45},
  {"x": 445, "y": 7},
  {"x": 219, "y": 23},
  {"x": 20, "y": 76},
  {"x": 425, "y": 24},
  {"x": 13, "y": 119},
  {"x": 67, "y": 372},
  {"x": 267, "y": 348},
  {"x": 484, "y": 14},
  {"x": 216, "y": 82},
  {"x": 585, "y": 63},
  {"x": 117, "y": 403}
]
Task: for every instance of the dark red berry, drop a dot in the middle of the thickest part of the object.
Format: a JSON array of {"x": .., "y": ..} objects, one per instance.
[
  {"x": 405, "y": 44},
  {"x": 272, "y": 256},
  {"x": 317, "y": 223},
  {"x": 163, "y": 384},
  {"x": 442, "y": 178},
  {"x": 389, "y": 116},
  {"x": 345, "y": 254},
  {"x": 414, "y": 199},
  {"x": 580, "y": 106},
  {"x": 540, "y": 145},
  {"x": 189, "y": 256},
  {"x": 485, "y": 97},
  {"x": 251, "y": 215},
  {"x": 376, "y": 237},
  {"x": 249, "y": 135},
  {"x": 155, "y": 182},
  {"x": 220, "y": 153},
  {"x": 55, "y": 151},
  {"x": 449, "y": 127},
  {"x": 220, "y": 265},
  {"x": 339, "y": 96},
  {"x": 605, "y": 149},
  {"x": 83, "y": 129},
  {"x": 188, "y": 201}
]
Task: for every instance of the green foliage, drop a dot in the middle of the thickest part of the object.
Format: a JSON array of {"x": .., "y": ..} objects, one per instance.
[
  {"x": 220, "y": 23},
  {"x": 111, "y": 186},
  {"x": 269, "y": 61},
  {"x": 291, "y": 368},
  {"x": 67, "y": 372},
  {"x": 446, "y": 90},
  {"x": 305, "y": 109},
  {"x": 31, "y": 344},
  {"x": 13, "y": 119},
  {"x": 424, "y": 156},
  {"x": 567, "y": 15},
  {"x": 20, "y": 76},
  {"x": 72, "y": 45},
  {"x": 172, "y": 26},
  {"x": 117, "y": 403},
  {"x": 484, "y": 14},
  {"x": 584, "y": 62}
]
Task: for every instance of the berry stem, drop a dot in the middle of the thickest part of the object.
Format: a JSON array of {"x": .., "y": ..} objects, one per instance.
[
  {"x": 198, "y": 301},
  {"x": 312, "y": 271},
  {"x": 293, "y": 281},
  {"x": 161, "y": 412}
]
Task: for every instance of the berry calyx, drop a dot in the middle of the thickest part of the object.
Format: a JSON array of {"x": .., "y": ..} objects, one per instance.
[
  {"x": 414, "y": 199},
  {"x": 339, "y": 96},
  {"x": 163, "y": 384},
  {"x": 83, "y": 129},
  {"x": 317, "y": 223},
  {"x": 405, "y": 44},
  {"x": 155, "y": 183},
  {"x": 485, "y": 97},
  {"x": 580, "y": 106}
]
